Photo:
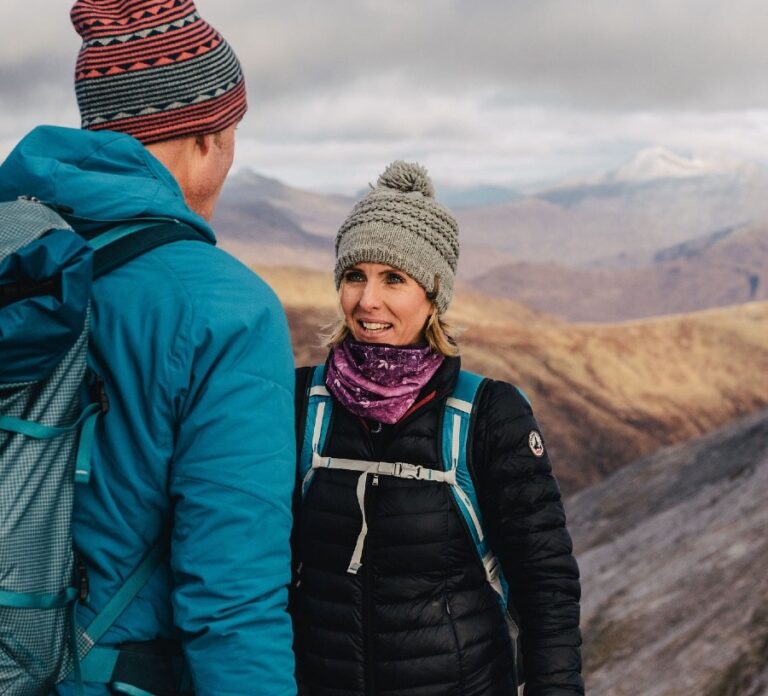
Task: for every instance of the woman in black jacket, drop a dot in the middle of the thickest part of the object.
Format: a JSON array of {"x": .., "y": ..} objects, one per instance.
[{"x": 431, "y": 547}]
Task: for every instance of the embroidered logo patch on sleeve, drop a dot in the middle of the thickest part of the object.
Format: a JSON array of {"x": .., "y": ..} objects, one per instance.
[{"x": 535, "y": 443}]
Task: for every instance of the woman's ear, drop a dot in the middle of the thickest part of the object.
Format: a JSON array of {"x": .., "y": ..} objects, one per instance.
[{"x": 432, "y": 294}]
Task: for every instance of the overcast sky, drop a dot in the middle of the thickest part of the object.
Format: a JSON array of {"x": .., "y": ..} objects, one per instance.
[{"x": 510, "y": 92}]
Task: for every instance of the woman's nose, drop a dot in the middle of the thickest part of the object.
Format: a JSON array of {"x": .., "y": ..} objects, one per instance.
[{"x": 371, "y": 298}]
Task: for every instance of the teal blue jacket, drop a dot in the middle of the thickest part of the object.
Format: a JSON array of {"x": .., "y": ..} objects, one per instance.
[{"x": 194, "y": 351}]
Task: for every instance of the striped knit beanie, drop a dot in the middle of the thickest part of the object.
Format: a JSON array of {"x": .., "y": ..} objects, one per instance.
[
  {"x": 154, "y": 69},
  {"x": 400, "y": 224}
]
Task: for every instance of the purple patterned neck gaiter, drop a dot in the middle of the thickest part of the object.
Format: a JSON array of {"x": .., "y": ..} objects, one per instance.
[{"x": 379, "y": 382}]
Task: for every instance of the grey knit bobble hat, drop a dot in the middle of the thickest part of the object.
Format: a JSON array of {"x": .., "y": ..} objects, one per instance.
[{"x": 399, "y": 223}]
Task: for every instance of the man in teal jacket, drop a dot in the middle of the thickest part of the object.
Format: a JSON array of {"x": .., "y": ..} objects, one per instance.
[{"x": 193, "y": 348}]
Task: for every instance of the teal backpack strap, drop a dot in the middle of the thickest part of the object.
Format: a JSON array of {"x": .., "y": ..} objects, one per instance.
[
  {"x": 457, "y": 418},
  {"x": 122, "y": 242},
  {"x": 99, "y": 662},
  {"x": 319, "y": 408}
]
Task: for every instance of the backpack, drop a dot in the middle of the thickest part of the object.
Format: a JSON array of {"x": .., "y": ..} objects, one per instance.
[
  {"x": 46, "y": 275},
  {"x": 454, "y": 438}
]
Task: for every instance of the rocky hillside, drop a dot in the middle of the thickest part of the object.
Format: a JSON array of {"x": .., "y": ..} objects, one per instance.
[
  {"x": 604, "y": 394},
  {"x": 673, "y": 551}
]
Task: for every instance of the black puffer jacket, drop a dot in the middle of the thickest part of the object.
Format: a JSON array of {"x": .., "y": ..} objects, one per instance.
[{"x": 419, "y": 618}]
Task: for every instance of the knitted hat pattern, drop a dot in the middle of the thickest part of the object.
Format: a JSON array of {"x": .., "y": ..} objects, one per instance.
[
  {"x": 399, "y": 223},
  {"x": 154, "y": 69}
]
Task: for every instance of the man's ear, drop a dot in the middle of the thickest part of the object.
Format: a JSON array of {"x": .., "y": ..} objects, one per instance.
[{"x": 204, "y": 143}]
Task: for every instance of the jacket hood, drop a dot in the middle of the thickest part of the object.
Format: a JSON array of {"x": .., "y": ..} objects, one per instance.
[{"x": 101, "y": 176}]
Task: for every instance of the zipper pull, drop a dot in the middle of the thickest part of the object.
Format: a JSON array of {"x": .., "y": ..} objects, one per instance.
[
  {"x": 65, "y": 209},
  {"x": 375, "y": 481}
]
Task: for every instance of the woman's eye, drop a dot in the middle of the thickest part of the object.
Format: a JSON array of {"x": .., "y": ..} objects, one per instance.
[
  {"x": 353, "y": 277},
  {"x": 394, "y": 278}
]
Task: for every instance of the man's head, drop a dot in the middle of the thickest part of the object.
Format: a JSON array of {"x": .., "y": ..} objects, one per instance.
[
  {"x": 199, "y": 163},
  {"x": 156, "y": 70}
]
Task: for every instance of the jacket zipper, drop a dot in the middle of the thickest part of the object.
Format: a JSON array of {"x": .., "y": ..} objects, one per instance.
[
  {"x": 369, "y": 662},
  {"x": 455, "y": 641}
]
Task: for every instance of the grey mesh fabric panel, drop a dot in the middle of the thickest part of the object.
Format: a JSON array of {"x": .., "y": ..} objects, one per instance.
[
  {"x": 23, "y": 221},
  {"x": 36, "y": 497}
]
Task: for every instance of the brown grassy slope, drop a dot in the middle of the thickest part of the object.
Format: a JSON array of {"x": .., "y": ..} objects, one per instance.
[{"x": 604, "y": 395}]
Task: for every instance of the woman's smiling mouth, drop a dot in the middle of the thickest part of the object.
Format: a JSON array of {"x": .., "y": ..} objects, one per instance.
[{"x": 374, "y": 325}]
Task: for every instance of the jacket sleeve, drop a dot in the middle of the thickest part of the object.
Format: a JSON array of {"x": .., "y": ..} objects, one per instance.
[
  {"x": 231, "y": 486},
  {"x": 522, "y": 509}
]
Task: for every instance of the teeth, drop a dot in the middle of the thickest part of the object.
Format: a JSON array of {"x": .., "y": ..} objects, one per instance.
[{"x": 372, "y": 326}]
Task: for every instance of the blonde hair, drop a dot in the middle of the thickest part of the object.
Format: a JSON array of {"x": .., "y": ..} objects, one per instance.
[{"x": 438, "y": 332}]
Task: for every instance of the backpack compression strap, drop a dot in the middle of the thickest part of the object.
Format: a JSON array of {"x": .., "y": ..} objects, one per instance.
[{"x": 86, "y": 423}]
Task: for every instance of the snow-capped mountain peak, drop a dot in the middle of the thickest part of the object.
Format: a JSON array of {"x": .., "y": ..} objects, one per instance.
[{"x": 660, "y": 163}]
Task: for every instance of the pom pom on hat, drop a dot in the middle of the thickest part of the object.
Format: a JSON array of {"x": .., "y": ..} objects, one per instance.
[{"x": 407, "y": 177}]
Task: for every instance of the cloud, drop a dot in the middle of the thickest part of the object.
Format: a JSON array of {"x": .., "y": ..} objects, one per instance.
[
  {"x": 648, "y": 54},
  {"x": 707, "y": 54},
  {"x": 35, "y": 81},
  {"x": 506, "y": 91},
  {"x": 518, "y": 146}
]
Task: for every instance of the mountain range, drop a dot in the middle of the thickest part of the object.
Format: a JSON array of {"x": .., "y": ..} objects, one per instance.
[
  {"x": 662, "y": 234},
  {"x": 727, "y": 267},
  {"x": 263, "y": 221},
  {"x": 623, "y": 217}
]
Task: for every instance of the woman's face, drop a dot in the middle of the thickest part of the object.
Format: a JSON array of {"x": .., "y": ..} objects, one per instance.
[{"x": 382, "y": 304}]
